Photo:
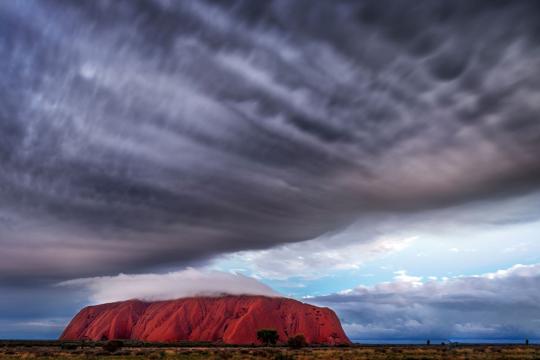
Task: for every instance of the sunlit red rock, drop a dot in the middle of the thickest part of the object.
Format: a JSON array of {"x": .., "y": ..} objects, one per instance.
[{"x": 227, "y": 319}]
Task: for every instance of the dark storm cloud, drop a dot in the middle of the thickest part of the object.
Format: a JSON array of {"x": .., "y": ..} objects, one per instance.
[
  {"x": 500, "y": 305},
  {"x": 142, "y": 133}
]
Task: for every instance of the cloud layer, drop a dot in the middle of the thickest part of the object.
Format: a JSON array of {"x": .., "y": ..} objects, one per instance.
[
  {"x": 138, "y": 134},
  {"x": 376, "y": 236},
  {"x": 174, "y": 285},
  {"x": 500, "y": 305}
]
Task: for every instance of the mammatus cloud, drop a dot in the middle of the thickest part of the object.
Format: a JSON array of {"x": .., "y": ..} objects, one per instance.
[
  {"x": 504, "y": 304},
  {"x": 180, "y": 284},
  {"x": 138, "y": 134}
]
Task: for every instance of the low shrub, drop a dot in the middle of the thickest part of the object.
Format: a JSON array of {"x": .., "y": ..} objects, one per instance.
[
  {"x": 297, "y": 342},
  {"x": 112, "y": 345},
  {"x": 283, "y": 356},
  {"x": 69, "y": 346},
  {"x": 267, "y": 336}
]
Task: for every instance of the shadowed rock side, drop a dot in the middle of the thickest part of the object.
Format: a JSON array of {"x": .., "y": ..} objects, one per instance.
[{"x": 227, "y": 319}]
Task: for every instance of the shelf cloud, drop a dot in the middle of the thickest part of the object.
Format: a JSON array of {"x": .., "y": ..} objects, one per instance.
[{"x": 141, "y": 134}]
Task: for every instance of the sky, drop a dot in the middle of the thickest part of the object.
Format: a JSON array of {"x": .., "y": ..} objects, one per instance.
[{"x": 381, "y": 158}]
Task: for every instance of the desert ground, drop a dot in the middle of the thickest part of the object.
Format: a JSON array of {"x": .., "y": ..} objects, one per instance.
[{"x": 95, "y": 350}]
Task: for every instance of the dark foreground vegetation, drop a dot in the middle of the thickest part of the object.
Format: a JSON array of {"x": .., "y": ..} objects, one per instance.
[{"x": 196, "y": 351}]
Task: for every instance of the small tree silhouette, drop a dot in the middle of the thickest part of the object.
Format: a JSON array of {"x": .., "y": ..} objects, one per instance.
[
  {"x": 298, "y": 341},
  {"x": 267, "y": 336},
  {"x": 112, "y": 345}
]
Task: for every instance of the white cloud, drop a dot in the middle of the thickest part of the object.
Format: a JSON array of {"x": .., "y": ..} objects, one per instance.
[
  {"x": 501, "y": 304},
  {"x": 403, "y": 277},
  {"x": 316, "y": 258},
  {"x": 185, "y": 283},
  {"x": 464, "y": 232}
]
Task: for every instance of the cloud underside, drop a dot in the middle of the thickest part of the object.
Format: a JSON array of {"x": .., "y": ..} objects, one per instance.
[
  {"x": 142, "y": 133},
  {"x": 500, "y": 305}
]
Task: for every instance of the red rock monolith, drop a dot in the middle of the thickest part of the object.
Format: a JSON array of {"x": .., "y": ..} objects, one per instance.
[{"x": 226, "y": 319}]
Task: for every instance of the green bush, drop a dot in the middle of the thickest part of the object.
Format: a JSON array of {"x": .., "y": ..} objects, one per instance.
[
  {"x": 297, "y": 342},
  {"x": 268, "y": 336}
]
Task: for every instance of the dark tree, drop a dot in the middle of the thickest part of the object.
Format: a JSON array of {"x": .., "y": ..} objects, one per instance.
[
  {"x": 268, "y": 336},
  {"x": 69, "y": 346},
  {"x": 298, "y": 341},
  {"x": 113, "y": 345}
]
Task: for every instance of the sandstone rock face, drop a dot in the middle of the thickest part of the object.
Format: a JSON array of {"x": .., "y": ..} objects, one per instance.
[{"x": 227, "y": 319}]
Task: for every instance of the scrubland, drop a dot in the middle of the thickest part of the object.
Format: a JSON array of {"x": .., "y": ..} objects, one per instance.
[{"x": 54, "y": 350}]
